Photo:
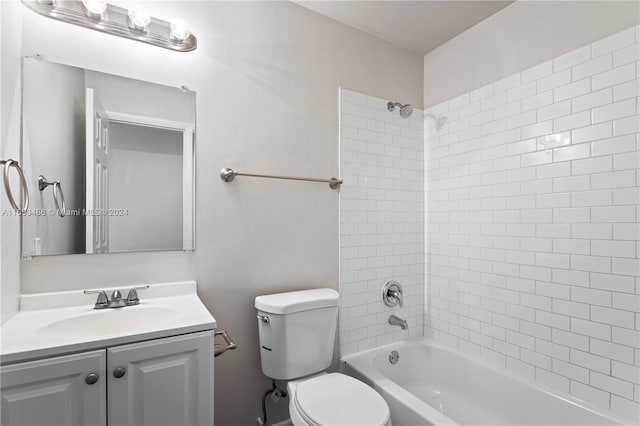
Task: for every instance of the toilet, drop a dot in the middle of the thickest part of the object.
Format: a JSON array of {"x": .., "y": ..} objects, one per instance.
[{"x": 297, "y": 331}]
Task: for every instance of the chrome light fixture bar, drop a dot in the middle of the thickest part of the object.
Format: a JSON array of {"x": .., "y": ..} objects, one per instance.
[{"x": 101, "y": 16}]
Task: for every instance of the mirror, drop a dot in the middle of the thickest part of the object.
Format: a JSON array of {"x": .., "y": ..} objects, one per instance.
[{"x": 109, "y": 162}]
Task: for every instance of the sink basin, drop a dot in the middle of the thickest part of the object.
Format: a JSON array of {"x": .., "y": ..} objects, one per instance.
[
  {"x": 57, "y": 323},
  {"x": 110, "y": 321}
]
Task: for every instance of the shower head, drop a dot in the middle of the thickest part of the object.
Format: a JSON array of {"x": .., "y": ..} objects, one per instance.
[{"x": 405, "y": 110}]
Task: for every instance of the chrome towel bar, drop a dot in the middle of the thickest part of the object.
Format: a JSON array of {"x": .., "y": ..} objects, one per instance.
[
  {"x": 23, "y": 185},
  {"x": 228, "y": 175},
  {"x": 57, "y": 193},
  {"x": 219, "y": 349}
]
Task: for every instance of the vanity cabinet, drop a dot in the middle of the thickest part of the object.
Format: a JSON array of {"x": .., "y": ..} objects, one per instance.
[
  {"x": 162, "y": 382},
  {"x": 166, "y": 381},
  {"x": 55, "y": 391}
]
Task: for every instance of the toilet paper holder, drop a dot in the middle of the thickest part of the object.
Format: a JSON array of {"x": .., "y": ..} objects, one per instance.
[{"x": 218, "y": 348}]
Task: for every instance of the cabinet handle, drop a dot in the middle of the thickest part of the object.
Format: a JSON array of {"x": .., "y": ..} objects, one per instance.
[
  {"x": 91, "y": 378},
  {"x": 119, "y": 372}
]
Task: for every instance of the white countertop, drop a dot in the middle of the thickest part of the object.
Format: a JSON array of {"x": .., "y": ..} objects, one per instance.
[{"x": 51, "y": 324}]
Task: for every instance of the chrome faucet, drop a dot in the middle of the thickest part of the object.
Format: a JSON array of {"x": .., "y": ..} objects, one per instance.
[
  {"x": 392, "y": 293},
  {"x": 116, "y": 301},
  {"x": 395, "y": 294},
  {"x": 395, "y": 320}
]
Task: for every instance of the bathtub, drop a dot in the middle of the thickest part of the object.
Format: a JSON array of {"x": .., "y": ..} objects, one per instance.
[{"x": 433, "y": 385}]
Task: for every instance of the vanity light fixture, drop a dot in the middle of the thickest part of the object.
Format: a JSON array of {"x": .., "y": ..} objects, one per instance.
[
  {"x": 179, "y": 31},
  {"x": 95, "y": 8},
  {"x": 132, "y": 24},
  {"x": 139, "y": 20}
]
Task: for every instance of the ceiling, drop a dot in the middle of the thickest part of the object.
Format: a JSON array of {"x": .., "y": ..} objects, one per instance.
[{"x": 419, "y": 26}]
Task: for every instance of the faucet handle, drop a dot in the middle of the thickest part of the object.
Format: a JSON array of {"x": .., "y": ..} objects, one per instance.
[
  {"x": 132, "y": 297},
  {"x": 103, "y": 300},
  {"x": 397, "y": 295},
  {"x": 392, "y": 293}
]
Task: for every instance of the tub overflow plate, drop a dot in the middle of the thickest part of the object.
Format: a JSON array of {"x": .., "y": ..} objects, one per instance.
[{"x": 394, "y": 357}]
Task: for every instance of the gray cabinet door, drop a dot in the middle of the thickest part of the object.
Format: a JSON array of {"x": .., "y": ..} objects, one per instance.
[
  {"x": 162, "y": 382},
  {"x": 55, "y": 391}
]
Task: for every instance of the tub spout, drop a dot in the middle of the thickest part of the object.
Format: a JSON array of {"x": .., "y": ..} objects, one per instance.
[{"x": 395, "y": 320}]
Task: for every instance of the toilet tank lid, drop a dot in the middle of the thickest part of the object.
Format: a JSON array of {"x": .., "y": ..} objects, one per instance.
[{"x": 296, "y": 301}]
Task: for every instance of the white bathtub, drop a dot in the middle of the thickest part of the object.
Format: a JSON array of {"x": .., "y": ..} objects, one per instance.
[{"x": 434, "y": 385}]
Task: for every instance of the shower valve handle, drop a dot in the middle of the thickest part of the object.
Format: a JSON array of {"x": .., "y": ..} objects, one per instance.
[{"x": 392, "y": 293}]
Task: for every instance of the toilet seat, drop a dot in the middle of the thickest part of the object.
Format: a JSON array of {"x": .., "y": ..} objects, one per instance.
[{"x": 339, "y": 400}]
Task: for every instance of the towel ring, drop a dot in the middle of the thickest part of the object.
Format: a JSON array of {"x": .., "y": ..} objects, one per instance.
[
  {"x": 57, "y": 194},
  {"x": 23, "y": 185},
  {"x": 57, "y": 190}
]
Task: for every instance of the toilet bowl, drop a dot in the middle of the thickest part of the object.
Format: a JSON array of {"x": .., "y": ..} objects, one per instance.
[{"x": 336, "y": 400}]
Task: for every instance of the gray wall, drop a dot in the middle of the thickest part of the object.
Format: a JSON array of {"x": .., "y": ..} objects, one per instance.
[
  {"x": 519, "y": 36},
  {"x": 266, "y": 76}
]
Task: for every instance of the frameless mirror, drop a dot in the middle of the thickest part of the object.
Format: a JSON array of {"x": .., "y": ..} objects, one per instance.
[{"x": 109, "y": 162}]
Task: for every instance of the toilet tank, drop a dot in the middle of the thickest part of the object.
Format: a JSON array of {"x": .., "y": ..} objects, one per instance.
[{"x": 297, "y": 330}]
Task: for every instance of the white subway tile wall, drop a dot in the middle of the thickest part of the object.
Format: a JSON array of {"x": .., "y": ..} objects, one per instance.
[
  {"x": 532, "y": 194},
  {"x": 381, "y": 220}
]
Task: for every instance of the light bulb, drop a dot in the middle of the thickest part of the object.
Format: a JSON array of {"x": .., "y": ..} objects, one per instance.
[
  {"x": 95, "y": 7},
  {"x": 179, "y": 31},
  {"x": 139, "y": 19}
]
